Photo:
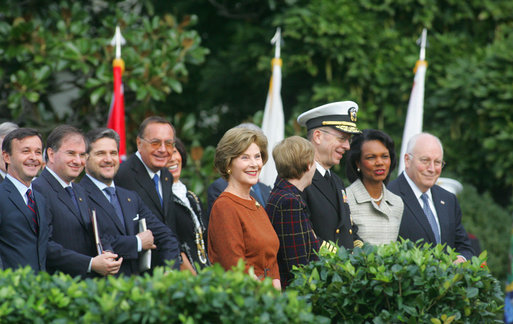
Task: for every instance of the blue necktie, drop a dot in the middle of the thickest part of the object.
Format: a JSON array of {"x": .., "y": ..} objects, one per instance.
[
  {"x": 431, "y": 217},
  {"x": 115, "y": 203},
  {"x": 71, "y": 193},
  {"x": 31, "y": 203},
  {"x": 156, "y": 182}
]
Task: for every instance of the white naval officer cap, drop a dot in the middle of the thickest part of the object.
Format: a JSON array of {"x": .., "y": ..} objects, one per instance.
[{"x": 340, "y": 115}]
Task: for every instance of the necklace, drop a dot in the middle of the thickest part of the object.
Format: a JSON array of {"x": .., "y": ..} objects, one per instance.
[{"x": 376, "y": 200}]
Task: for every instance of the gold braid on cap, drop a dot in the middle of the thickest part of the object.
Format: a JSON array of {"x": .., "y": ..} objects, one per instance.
[{"x": 338, "y": 123}]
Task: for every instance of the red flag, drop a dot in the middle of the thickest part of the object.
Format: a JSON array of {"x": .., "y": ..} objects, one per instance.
[{"x": 117, "y": 109}]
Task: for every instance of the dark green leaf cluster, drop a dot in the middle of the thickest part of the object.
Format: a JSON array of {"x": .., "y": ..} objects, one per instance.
[
  {"x": 214, "y": 296},
  {"x": 400, "y": 283},
  {"x": 56, "y": 61}
]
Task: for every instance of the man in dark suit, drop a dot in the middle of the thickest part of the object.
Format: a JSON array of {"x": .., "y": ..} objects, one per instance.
[
  {"x": 329, "y": 130},
  {"x": 145, "y": 172},
  {"x": 430, "y": 212},
  {"x": 23, "y": 211},
  {"x": 72, "y": 248},
  {"x": 5, "y": 128},
  {"x": 119, "y": 210}
]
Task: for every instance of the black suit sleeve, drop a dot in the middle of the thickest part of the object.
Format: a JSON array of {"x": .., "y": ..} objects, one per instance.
[{"x": 164, "y": 238}]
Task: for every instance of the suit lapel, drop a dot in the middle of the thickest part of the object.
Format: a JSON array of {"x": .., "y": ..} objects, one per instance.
[
  {"x": 166, "y": 179},
  {"x": 412, "y": 203},
  {"x": 442, "y": 213},
  {"x": 324, "y": 187},
  {"x": 127, "y": 206},
  {"x": 99, "y": 199},
  {"x": 63, "y": 195},
  {"x": 142, "y": 177},
  {"x": 17, "y": 200}
]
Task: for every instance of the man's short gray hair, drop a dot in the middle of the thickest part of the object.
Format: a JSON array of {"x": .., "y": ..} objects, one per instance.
[
  {"x": 413, "y": 141},
  {"x": 7, "y": 127}
]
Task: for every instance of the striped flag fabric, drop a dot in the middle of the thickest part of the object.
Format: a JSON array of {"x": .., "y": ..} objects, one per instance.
[{"x": 116, "y": 119}]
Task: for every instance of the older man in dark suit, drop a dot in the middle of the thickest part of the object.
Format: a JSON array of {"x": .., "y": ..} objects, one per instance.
[
  {"x": 119, "y": 210},
  {"x": 145, "y": 172},
  {"x": 430, "y": 212},
  {"x": 72, "y": 248},
  {"x": 23, "y": 211},
  {"x": 329, "y": 130}
]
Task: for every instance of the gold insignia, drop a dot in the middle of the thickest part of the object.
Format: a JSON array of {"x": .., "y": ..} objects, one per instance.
[
  {"x": 165, "y": 178},
  {"x": 357, "y": 243},
  {"x": 129, "y": 199},
  {"x": 352, "y": 114}
]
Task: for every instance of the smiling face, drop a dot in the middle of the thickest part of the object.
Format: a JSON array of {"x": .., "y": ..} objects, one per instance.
[
  {"x": 330, "y": 145},
  {"x": 246, "y": 168},
  {"x": 175, "y": 165},
  {"x": 374, "y": 162},
  {"x": 103, "y": 160},
  {"x": 69, "y": 160},
  {"x": 26, "y": 158},
  {"x": 424, "y": 164},
  {"x": 156, "y": 158}
]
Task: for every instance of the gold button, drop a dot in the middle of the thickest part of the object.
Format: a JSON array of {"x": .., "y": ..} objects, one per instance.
[
  {"x": 337, "y": 231},
  {"x": 350, "y": 231}
]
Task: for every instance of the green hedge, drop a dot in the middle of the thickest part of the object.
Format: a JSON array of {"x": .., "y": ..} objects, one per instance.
[
  {"x": 395, "y": 283},
  {"x": 214, "y": 296},
  {"x": 400, "y": 283}
]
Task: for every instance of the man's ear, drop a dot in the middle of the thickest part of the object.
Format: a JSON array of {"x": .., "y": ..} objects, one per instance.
[
  {"x": 7, "y": 157},
  {"x": 50, "y": 153},
  {"x": 316, "y": 136}
]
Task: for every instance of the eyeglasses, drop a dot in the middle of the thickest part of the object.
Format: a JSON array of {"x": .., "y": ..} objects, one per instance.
[
  {"x": 427, "y": 161},
  {"x": 156, "y": 143},
  {"x": 341, "y": 138}
]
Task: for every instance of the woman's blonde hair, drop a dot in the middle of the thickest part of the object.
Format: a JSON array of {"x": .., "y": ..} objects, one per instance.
[
  {"x": 233, "y": 143},
  {"x": 293, "y": 156}
]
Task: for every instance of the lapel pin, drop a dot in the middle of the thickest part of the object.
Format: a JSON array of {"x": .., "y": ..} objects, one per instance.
[
  {"x": 165, "y": 178},
  {"x": 442, "y": 202},
  {"x": 80, "y": 198},
  {"x": 129, "y": 199}
]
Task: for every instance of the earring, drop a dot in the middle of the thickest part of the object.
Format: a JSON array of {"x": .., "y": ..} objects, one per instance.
[
  {"x": 358, "y": 170},
  {"x": 229, "y": 171}
]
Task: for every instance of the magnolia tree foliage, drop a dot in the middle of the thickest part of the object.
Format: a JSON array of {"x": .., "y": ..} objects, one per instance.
[{"x": 56, "y": 60}]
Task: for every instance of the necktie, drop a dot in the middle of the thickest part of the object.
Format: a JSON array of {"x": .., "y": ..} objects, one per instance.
[
  {"x": 431, "y": 217},
  {"x": 71, "y": 193},
  {"x": 115, "y": 203},
  {"x": 31, "y": 203},
  {"x": 329, "y": 178},
  {"x": 156, "y": 182}
]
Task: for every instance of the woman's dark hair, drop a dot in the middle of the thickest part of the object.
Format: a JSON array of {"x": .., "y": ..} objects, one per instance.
[
  {"x": 180, "y": 147},
  {"x": 355, "y": 153}
]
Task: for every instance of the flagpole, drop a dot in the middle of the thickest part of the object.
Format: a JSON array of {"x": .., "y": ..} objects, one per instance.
[
  {"x": 116, "y": 118},
  {"x": 273, "y": 124},
  {"x": 415, "y": 113}
]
